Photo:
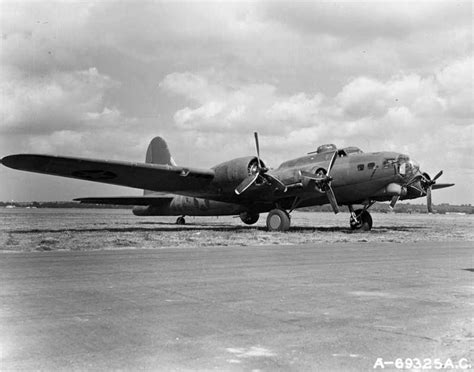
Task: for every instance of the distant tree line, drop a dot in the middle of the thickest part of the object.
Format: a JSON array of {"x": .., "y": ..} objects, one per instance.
[
  {"x": 60, "y": 204},
  {"x": 404, "y": 208}
]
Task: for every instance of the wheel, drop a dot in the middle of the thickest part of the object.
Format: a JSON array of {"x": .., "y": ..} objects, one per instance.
[
  {"x": 249, "y": 218},
  {"x": 278, "y": 220},
  {"x": 180, "y": 221},
  {"x": 364, "y": 221}
]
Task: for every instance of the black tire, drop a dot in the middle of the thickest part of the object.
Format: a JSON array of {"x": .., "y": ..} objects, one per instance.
[
  {"x": 278, "y": 220},
  {"x": 364, "y": 223},
  {"x": 249, "y": 218},
  {"x": 180, "y": 221}
]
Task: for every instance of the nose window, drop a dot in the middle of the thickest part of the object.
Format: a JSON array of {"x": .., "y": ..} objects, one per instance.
[{"x": 407, "y": 167}]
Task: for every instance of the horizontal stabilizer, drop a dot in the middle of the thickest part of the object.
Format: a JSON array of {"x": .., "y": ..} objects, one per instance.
[
  {"x": 127, "y": 200},
  {"x": 441, "y": 185}
]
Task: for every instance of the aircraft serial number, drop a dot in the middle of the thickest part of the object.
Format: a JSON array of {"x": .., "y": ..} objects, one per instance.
[{"x": 424, "y": 364}]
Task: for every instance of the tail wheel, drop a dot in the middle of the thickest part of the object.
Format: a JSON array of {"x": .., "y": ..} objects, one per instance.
[
  {"x": 278, "y": 220},
  {"x": 249, "y": 218},
  {"x": 363, "y": 221}
]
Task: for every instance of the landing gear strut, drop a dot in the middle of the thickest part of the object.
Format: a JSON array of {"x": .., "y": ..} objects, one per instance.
[
  {"x": 360, "y": 219},
  {"x": 278, "y": 220},
  {"x": 180, "y": 220}
]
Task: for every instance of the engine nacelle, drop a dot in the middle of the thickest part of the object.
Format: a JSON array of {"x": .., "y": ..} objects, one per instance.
[
  {"x": 142, "y": 210},
  {"x": 233, "y": 172}
]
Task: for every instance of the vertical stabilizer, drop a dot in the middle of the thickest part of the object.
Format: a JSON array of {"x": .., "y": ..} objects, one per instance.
[{"x": 158, "y": 153}]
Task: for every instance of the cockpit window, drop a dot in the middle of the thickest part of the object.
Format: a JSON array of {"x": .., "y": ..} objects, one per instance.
[{"x": 387, "y": 163}]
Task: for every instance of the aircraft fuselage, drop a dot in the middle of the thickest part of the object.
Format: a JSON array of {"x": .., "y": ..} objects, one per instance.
[{"x": 358, "y": 177}]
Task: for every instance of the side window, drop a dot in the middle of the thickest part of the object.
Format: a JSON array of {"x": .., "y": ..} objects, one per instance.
[
  {"x": 387, "y": 163},
  {"x": 371, "y": 165},
  {"x": 360, "y": 167}
]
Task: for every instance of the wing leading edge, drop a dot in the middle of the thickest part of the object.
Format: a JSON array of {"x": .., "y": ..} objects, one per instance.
[
  {"x": 155, "y": 177},
  {"x": 127, "y": 200}
]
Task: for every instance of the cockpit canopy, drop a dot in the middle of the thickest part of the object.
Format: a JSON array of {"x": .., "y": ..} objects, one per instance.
[
  {"x": 330, "y": 147},
  {"x": 406, "y": 167},
  {"x": 326, "y": 148},
  {"x": 351, "y": 150}
]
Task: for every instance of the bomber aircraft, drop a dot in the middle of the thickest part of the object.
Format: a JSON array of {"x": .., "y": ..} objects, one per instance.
[{"x": 246, "y": 186}]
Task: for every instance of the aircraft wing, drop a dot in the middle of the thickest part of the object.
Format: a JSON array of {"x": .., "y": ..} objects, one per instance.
[
  {"x": 155, "y": 177},
  {"x": 126, "y": 200}
]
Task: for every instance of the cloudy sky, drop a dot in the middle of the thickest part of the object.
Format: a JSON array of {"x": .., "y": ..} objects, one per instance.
[{"x": 100, "y": 79}]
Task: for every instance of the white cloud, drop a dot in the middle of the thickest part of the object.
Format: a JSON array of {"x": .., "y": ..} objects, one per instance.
[
  {"x": 298, "y": 108},
  {"x": 446, "y": 92},
  {"x": 456, "y": 85},
  {"x": 55, "y": 101},
  {"x": 363, "y": 96},
  {"x": 357, "y": 20},
  {"x": 239, "y": 108}
]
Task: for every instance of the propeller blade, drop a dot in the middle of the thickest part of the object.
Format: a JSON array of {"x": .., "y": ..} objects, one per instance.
[
  {"x": 441, "y": 185},
  {"x": 331, "y": 163},
  {"x": 257, "y": 145},
  {"x": 429, "y": 203},
  {"x": 437, "y": 176},
  {"x": 246, "y": 183},
  {"x": 275, "y": 182},
  {"x": 332, "y": 199},
  {"x": 394, "y": 201}
]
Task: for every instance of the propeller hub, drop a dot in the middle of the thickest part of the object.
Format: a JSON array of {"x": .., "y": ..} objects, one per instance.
[{"x": 258, "y": 174}]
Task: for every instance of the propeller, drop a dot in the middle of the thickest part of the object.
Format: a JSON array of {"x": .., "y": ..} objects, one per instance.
[
  {"x": 421, "y": 183},
  {"x": 324, "y": 182},
  {"x": 327, "y": 185},
  {"x": 427, "y": 184},
  {"x": 261, "y": 171}
]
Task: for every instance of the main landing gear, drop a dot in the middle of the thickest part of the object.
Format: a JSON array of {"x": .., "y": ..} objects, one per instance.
[
  {"x": 180, "y": 221},
  {"x": 278, "y": 220},
  {"x": 360, "y": 218}
]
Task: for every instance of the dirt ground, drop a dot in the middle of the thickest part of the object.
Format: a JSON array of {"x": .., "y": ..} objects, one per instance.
[{"x": 24, "y": 230}]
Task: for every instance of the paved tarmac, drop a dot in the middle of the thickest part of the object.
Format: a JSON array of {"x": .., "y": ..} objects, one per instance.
[{"x": 318, "y": 307}]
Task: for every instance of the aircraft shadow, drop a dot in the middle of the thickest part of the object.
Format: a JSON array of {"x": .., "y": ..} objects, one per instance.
[
  {"x": 168, "y": 227},
  {"x": 375, "y": 229}
]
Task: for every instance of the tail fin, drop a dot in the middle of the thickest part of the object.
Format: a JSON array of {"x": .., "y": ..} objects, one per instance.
[{"x": 158, "y": 153}]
